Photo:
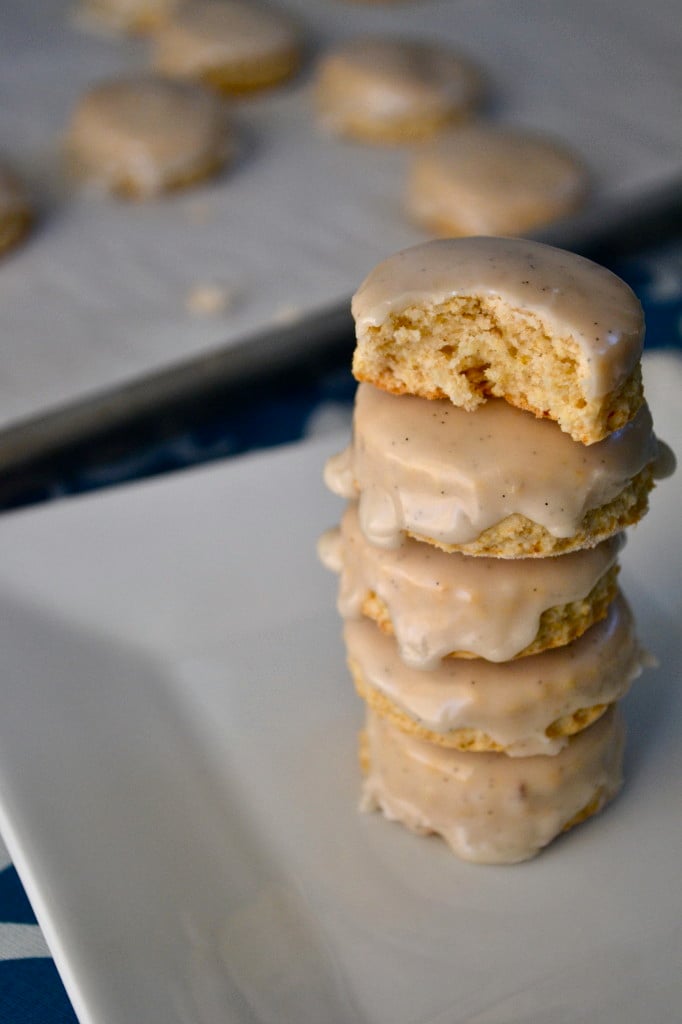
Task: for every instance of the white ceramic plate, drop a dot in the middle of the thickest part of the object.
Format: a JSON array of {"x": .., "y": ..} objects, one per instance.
[
  {"x": 94, "y": 309},
  {"x": 178, "y": 781}
]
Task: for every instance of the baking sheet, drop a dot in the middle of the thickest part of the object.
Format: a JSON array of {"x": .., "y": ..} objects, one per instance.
[{"x": 95, "y": 306}]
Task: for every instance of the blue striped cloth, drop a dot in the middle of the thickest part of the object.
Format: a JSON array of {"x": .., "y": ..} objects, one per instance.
[{"x": 30, "y": 989}]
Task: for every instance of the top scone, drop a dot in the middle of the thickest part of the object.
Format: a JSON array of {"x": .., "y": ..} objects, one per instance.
[{"x": 470, "y": 318}]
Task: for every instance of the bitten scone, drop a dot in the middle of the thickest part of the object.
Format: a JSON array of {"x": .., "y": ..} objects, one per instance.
[
  {"x": 141, "y": 136},
  {"x": 487, "y": 180},
  {"x": 439, "y": 603},
  {"x": 499, "y": 483},
  {"x": 232, "y": 45},
  {"x": 471, "y": 318},
  {"x": 130, "y": 15},
  {"x": 16, "y": 214},
  {"x": 488, "y": 807},
  {"x": 522, "y": 708},
  {"x": 393, "y": 90}
]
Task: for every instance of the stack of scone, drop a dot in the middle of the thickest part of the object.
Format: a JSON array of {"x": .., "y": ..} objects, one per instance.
[{"x": 501, "y": 444}]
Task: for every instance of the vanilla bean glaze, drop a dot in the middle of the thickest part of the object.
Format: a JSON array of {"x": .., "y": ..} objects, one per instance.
[
  {"x": 439, "y": 472},
  {"x": 442, "y": 602},
  {"x": 515, "y": 704},
  {"x": 491, "y": 808}
]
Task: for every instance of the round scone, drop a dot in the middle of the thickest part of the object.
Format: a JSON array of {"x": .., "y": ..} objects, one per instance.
[
  {"x": 16, "y": 214},
  {"x": 487, "y": 180},
  {"x": 490, "y": 808},
  {"x": 495, "y": 482},
  {"x": 130, "y": 15},
  {"x": 393, "y": 90},
  {"x": 438, "y": 603},
  {"x": 144, "y": 135},
  {"x": 232, "y": 45},
  {"x": 471, "y": 318},
  {"x": 522, "y": 708}
]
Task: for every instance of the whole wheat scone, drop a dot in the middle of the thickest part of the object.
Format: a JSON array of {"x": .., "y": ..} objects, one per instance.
[
  {"x": 559, "y": 625},
  {"x": 522, "y": 707},
  {"x": 233, "y": 46},
  {"x": 490, "y": 808},
  {"x": 141, "y": 136},
  {"x": 444, "y": 603},
  {"x": 496, "y": 482},
  {"x": 382, "y": 89},
  {"x": 469, "y": 318},
  {"x": 486, "y": 180},
  {"x": 519, "y": 537},
  {"x": 474, "y": 741}
]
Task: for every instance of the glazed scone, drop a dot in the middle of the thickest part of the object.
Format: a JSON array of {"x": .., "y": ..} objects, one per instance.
[
  {"x": 487, "y": 180},
  {"x": 232, "y": 45},
  {"x": 490, "y": 808},
  {"x": 141, "y": 136},
  {"x": 130, "y": 15},
  {"x": 393, "y": 90},
  {"x": 471, "y": 318},
  {"x": 523, "y": 707},
  {"x": 493, "y": 482},
  {"x": 438, "y": 603},
  {"x": 16, "y": 213}
]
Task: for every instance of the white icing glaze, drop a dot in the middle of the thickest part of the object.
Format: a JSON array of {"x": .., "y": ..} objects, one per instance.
[
  {"x": 513, "y": 703},
  {"x": 573, "y": 296},
  {"x": 152, "y": 131},
  {"x": 485, "y": 180},
  {"x": 329, "y": 550},
  {"x": 442, "y": 602},
  {"x": 210, "y": 33},
  {"x": 445, "y": 474},
  {"x": 386, "y": 80},
  {"x": 490, "y": 808}
]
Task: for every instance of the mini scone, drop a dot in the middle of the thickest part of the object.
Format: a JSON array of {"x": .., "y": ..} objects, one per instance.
[
  {"x": 15, "y": 210},
  {"x": 497, "y": 482},
  {"x": 393, "y": 90},
  {"x": 487, "y": 180},
  {"x": 232, "y": 45},
  {"x": 471, "y": 318},
  {"x": 131, "y": 15},
  {"x": 143, "y": 135},
  {"x": 490, "y": 808},
  {"x": 522, "y": 708},
  {"x": 439, "y": 603}
]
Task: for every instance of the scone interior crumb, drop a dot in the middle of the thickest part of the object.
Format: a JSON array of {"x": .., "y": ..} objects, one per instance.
[{"x": 470, "y": 347}]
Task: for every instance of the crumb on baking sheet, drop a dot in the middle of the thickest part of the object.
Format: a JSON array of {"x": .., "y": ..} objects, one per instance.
[
  {"x": 211, "y": 298},
  {"x": 287, "y": 313}
]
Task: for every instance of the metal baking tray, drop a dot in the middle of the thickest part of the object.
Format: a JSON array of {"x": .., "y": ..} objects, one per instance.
[{"x": 95, "y": 318}]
